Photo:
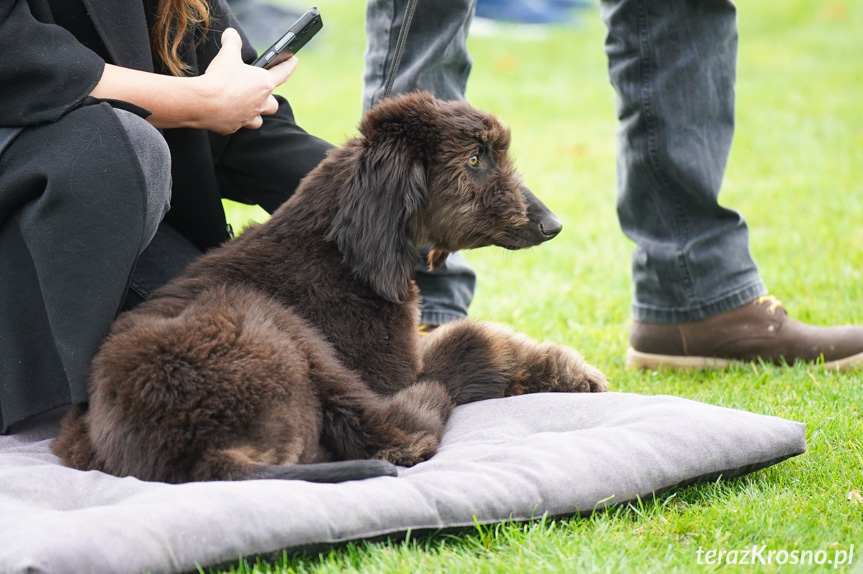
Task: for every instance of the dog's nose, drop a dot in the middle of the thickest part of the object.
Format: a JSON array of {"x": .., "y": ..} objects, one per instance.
[
  {"x": 543, "y": 223},
  {"x": 550, "y": 227}
]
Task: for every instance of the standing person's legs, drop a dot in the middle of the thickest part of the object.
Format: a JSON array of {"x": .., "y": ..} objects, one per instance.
[
  {"x": 79, "y": 200},
  {"x": 698, "y": 299},
  {"x": 435, "y": 59},
  {"x": 672, "y": 63}
]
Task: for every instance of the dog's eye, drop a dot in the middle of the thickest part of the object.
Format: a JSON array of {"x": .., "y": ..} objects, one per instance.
[{"x": 474, "y": 159}]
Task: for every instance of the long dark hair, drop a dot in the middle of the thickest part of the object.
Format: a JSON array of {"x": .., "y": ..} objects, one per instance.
[{"x": 174, "y": 19}]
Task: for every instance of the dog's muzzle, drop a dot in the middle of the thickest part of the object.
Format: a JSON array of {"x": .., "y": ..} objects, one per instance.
[{"x": 543, "y": 224}]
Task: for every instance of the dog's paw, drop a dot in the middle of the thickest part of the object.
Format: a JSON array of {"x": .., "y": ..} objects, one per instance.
[
  {"x": 558, "y": 369},
  {"x": 420, "y": 448},
  {"x": 594, "y": 379},
  {"x": 574, "y": 374}
]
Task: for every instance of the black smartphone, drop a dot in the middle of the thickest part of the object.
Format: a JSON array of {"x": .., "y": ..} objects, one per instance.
[{"x": 291, "y": 41}]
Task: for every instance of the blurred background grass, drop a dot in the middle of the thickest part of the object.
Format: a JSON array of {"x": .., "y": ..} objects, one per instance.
[{"x": 796, "y": 173}]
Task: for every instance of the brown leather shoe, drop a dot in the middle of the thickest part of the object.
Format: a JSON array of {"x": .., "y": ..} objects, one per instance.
[{"x": 758, "y": 330}]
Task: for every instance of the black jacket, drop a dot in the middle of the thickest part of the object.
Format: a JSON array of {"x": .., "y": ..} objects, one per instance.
[{"x": 45, "y": 72}]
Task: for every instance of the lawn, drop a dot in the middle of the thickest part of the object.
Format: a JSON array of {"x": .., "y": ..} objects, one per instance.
[{"x": 796, "y": 172}]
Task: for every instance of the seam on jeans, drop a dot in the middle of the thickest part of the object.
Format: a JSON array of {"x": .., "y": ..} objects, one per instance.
[
  {"x": 470, "y": 13},
  {"x": 683, "y": 231},
  {"x": 384, "y": 65}
]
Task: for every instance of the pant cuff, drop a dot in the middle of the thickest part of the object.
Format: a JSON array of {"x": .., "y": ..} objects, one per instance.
[
  {"x": 742, "y": 296},
  {"x": 439, "y": 317}
]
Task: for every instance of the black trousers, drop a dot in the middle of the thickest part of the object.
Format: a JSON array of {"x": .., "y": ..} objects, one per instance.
[
  {"x": 76, "y": 214},
  {"x": 73, "y": 207}
]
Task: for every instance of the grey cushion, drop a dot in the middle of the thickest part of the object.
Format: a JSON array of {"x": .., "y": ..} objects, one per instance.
[{"x": 513, "y": 458}]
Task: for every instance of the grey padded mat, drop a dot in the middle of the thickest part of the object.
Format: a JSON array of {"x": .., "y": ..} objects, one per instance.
[{"x": 513, "y": 458}]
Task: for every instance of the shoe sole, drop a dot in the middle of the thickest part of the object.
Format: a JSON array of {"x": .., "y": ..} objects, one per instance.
[{"x": 648, "y": 361}]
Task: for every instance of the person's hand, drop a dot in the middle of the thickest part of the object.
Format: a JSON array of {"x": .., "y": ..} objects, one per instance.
[
  {"x": 229, "y": 96},
  {"x": 236, "y": 93}
]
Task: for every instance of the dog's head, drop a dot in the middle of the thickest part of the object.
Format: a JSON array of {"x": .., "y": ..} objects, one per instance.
[{"x": 436, "y": 173}]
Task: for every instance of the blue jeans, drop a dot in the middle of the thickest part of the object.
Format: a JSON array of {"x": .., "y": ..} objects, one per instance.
[
  {"x": 673, "y": 66},
  {"x": 435, "y": 59}
]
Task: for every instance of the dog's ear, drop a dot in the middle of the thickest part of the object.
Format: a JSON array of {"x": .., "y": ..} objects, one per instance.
[{"x": 376, "y": 218}]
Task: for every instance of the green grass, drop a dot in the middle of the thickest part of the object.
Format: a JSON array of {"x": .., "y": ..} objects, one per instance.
[{"x": 796, "y": 172}]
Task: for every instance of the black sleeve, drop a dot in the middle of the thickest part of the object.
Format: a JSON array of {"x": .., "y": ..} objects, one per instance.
[
  {"x": 264, "y": 166},
  {"x": 44, "y": 71}
]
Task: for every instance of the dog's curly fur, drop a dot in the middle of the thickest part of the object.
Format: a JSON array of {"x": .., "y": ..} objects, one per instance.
[{"x": 297, "y": 343}]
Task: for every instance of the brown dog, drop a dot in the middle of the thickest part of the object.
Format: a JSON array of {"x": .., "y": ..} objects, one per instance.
[{"x": 297, "y": 342}]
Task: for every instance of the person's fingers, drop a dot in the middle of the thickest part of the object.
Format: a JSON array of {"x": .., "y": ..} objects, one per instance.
[
  {"x": 231, "y": 37},
  {"x": 232, "y": 46},
  {"x": 281, "y": 72},
  {"x": 271, "y": 106},
  {"x": 256, "y": 123}
]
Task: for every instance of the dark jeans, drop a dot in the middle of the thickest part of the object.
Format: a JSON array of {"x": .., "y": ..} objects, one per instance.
[
  {"x": 673, "y": 66},
  {"x": 435, "y": 59}
]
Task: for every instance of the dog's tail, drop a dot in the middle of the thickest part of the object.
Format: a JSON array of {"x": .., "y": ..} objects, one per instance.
[
  {"x": 73, "y": 444},
  {"x": 341, "y": 471}
]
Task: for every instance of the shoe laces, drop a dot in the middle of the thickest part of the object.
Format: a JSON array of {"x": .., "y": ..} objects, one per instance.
[
  {"x": 425, "y": 329},
  {"x": 774, "y": 303}
]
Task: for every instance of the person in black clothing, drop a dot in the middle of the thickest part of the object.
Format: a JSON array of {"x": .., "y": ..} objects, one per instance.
[{"x": 110, "y": 112}]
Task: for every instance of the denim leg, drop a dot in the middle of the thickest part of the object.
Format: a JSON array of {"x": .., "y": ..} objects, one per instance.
[
  {"x": 673, "y": 66},
  {"x": 445, "y": 294},
  {"x": 435, "y": 59}
]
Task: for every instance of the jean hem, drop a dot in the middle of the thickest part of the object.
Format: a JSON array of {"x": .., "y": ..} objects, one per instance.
[
  {"x": 738, "y": 298},
  {"x": 439, "y": 317}
]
